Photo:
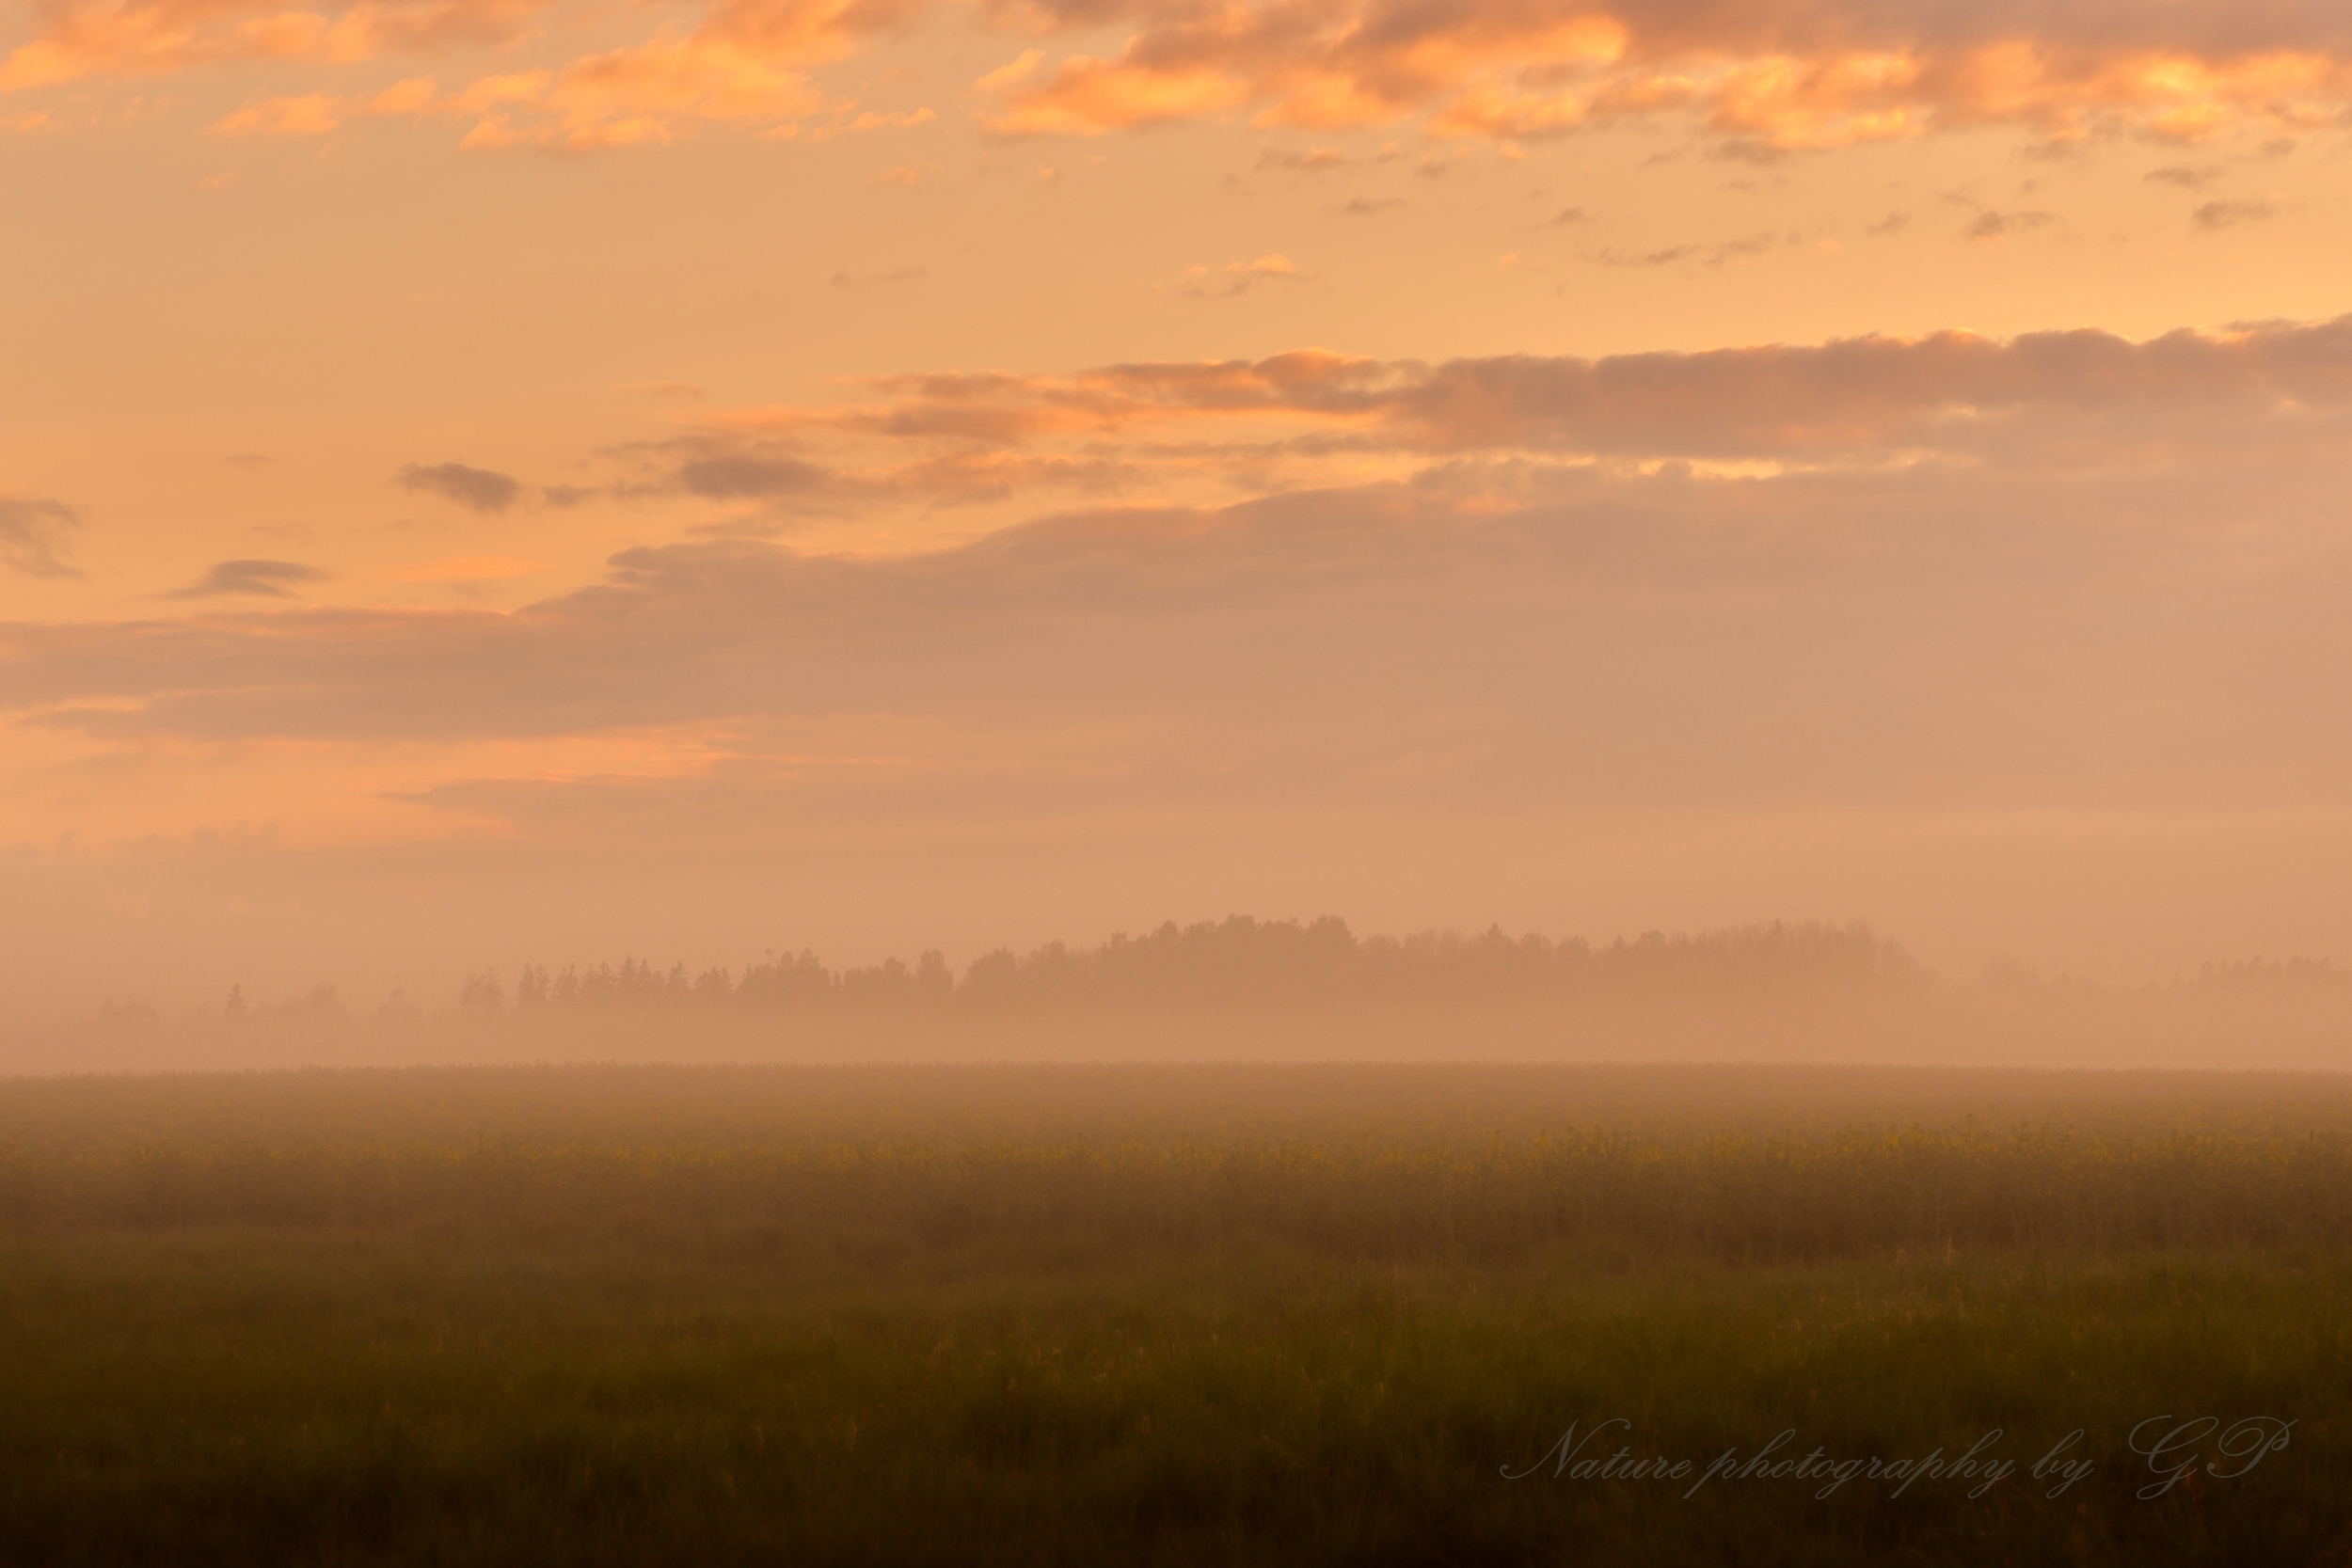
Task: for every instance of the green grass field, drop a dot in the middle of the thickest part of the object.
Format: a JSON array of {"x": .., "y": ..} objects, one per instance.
[{"x": 1174, "y": 1314}]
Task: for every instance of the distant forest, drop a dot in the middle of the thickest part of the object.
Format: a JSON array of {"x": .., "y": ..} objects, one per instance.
[{"x": 1252, "y": 962}]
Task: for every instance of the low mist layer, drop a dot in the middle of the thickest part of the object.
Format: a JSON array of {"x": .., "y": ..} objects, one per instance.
[{"x": 1272, "y": 990}]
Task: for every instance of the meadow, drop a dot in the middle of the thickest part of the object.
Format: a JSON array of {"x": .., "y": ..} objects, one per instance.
[{"x": 1175, "y": 1313}]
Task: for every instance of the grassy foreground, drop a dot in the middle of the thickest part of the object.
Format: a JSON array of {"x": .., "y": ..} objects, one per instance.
[{"x": 597, "y": 1317}]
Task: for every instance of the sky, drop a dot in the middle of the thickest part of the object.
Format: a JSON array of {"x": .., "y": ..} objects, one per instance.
[{"x": 505, "y": 480}]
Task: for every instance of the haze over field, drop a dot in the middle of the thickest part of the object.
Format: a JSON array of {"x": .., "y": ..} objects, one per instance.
[
  {"x": 488, "y": 481},
  {"x": 1245, "y": 990}
]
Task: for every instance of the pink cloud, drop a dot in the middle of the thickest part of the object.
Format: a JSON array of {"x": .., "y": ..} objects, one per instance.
[
  {"x": 1774, "y": 77},
  {"x": 76, "y": 39},
  {"x": 1783, "y": 76},
  {"x": 1149, "y": 431},
  {"x": 310, "y": 115},
  {"x": 741, "y": 62}
]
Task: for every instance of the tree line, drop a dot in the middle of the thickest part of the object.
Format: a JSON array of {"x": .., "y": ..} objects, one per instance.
[{"x": 1242, "y": 960}]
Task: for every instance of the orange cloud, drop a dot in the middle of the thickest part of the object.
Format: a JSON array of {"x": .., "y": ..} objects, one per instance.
[
  {"x": 414, "y": 96},
  {"x": 1783, "y": 76},
  {"x": 982, "y": 450},
  {"x": 651, "y": 93},
  {"x": 1787, "y": 75},
  {"x": 743, "y": 62},
  {"x": 1237, "y": 277},
  {"x": 74, "y": 40},
  {"x": 311, "y": 114},
  {"x": 1865, "y": 399}
]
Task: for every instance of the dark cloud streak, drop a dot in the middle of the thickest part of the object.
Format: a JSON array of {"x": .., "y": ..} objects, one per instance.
[
  {"x": 477, "y": 489},
  {"x": 2216, "y": 216},
  {"x": 259, "y": 579},
  {"x": 31, "y": 530}
]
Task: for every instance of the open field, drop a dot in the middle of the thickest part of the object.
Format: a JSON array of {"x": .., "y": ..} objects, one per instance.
[{"x": 1177, "y": 1314}]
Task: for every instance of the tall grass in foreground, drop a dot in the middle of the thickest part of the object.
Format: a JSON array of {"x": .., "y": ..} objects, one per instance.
[
  {"x": 1175, "y": 1316},
  {"x": 242, "y": 1397}
]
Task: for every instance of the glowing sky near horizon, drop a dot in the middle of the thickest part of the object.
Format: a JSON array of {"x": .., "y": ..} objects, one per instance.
[{"x": 493, "y": 480}]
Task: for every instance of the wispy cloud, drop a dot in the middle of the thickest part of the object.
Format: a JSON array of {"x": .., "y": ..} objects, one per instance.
[
  {"x": 740, "y": 475},
  {"x": 1665, "y": 257},
  {"x": 312, "y": 114},
  {"x": 1234, "y": 279},
  {"x": 2231, "y": 214},
  {"x": 998, "y": 445},
  {"x": 261, "y": 579},
  {"x": 1999, "y": 226},
  {"x": 1763, "y": 80},
  {"x": 1319, "y": 159},
  {"x": 32, "y": 530},
  {"x": 1734, "y": 251},
  {"x": 480, "y": 489}
]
